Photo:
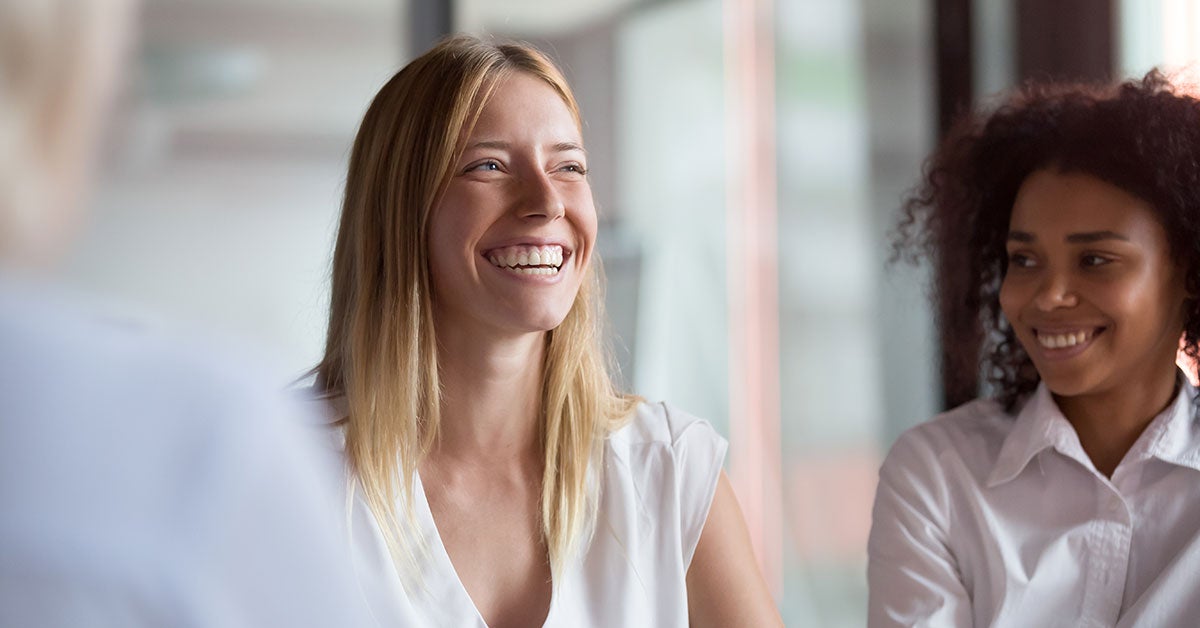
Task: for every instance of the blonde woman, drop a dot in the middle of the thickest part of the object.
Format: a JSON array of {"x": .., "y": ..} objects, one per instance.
[{"x": 496, "y": 476}]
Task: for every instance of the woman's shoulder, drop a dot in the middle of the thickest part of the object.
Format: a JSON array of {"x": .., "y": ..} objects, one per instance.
[
  {"x": 661, "y": 438},
  {"x": 663, "y": 424},
  {"x": 969, "y": 436},
  {"x": 667, "y": 461}
]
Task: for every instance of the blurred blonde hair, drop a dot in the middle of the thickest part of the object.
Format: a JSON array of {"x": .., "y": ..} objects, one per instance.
[
  {"x": 57, "y": 63},
  {"x": 381, "y": 352}
]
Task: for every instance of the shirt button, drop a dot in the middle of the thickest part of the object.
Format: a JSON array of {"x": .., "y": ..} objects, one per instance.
[{"x": 1114, "y": 503}]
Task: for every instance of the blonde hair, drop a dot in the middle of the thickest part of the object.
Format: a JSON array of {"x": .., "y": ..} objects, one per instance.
[{"x": 381, "y": 353}]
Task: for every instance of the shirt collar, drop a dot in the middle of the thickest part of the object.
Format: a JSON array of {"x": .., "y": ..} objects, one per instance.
[
  {"x": 1173, "y": 436},
  {"x": 1038, "y": 426}
]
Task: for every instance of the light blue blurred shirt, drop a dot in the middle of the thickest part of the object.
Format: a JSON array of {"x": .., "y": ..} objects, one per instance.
[{"x": 146, "y": 480}]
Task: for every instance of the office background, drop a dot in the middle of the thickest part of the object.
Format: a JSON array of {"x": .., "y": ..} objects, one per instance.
[{"x": 747, "y": 157}]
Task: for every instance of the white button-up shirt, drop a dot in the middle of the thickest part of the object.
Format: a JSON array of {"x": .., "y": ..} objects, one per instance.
[{"x": 989, "y": 520}]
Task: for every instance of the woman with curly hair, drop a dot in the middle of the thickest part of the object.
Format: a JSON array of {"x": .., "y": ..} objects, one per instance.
[
  {"x": 496, "y": 475},
  {"x": 1066, "y": 224}
]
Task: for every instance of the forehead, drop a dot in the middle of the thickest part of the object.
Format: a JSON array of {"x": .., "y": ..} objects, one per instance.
[
  {"x": 1056, "y": 202},
  {"x": 524, "y": 105}
]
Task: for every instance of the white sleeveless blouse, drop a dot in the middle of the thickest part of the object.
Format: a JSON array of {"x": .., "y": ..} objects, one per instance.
[{"x": 660, "y": 475}]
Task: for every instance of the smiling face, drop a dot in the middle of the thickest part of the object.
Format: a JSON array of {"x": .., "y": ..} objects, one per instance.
[
  {"x": 511, "y": 238},
  {"x": 1091, "y": 289}
]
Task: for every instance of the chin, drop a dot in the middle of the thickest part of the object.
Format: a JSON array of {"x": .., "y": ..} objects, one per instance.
[
  {"x": 1070, "y": 384},
  {"x": 538, "y": 321},
  {"x": 549, "y": 324}
]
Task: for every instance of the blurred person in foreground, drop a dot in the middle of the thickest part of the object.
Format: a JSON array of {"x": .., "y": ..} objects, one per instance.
[
  {"x": 1068, "y": 220},
  {"x": 143, "y": 481},
  {"x": 499, "y": 478}
]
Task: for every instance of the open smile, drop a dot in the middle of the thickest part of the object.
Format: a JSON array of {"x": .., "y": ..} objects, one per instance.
[
  {"x": 1065, "y": 343},
  {"x": 529, "y": 260}
]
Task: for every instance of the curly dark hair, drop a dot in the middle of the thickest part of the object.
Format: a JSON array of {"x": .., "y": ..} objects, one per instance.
[{"x": 1141, "y": 135}]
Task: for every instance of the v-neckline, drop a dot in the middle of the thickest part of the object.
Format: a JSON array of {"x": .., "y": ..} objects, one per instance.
[{"x": 441, "y": 556}]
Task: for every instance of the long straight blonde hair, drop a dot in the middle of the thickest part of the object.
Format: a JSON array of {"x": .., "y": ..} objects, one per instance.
[{"x": 381, "y": 353}]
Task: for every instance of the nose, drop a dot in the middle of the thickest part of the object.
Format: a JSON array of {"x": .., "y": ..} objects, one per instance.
[
  {"x": 541, "y": 198},
  {"x": 1055, "y": 292}
]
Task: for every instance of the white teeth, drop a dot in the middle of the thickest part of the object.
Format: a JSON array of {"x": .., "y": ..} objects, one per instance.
[
  {"x": 523, "y": 258},
  {"x": 533, "y": 270},
  {"x": 1061, "y": 341}
]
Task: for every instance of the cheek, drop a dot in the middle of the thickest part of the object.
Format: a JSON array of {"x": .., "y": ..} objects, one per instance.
[
  {"x": 447, "y": 241},
  {"x": 1010, "y": 299},
  {"x": 1145, "y": 295},
  {"x": 1170, "y": 302},
  {"x": 439, "y": 277},
  {"x": 456, "y": 225},
  {"x": 586, "y": 224}
]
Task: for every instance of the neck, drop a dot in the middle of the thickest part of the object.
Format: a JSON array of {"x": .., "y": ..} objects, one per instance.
[
  {"x": 491, "y": 399},
  {"x": 1109, "y": 423}
]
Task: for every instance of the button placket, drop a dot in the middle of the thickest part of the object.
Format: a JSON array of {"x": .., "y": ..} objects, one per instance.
[{"x": 1109, "y": 540}]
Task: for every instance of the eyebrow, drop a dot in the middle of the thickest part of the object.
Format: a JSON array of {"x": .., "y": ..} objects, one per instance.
[
  {"x": 566, "y": 146},
  {"x": 1020, "y": 236},
  {"x": 1095, "y": 236},
  {"x": 501, "y": 144},
  {"x": 489, "y": 144},
  {"x": 1087, "y": 237}
]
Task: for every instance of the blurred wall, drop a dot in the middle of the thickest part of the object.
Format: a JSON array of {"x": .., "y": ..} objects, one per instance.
[{"x": 222, "y": 183}]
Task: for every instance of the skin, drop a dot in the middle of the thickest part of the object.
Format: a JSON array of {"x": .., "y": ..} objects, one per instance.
[
  {"x": 1087, "y": 257},
  {"x": 522, "y": 178},
  {"x": 724, "y": 584},
  {"x": 64, "y": 146}
]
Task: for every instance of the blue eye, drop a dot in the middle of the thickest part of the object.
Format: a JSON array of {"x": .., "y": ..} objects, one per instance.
[{"x": 488, "y": 165}]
